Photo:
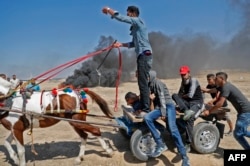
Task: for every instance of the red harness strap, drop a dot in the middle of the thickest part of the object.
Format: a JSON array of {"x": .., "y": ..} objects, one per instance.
[
  {"x": 41, "y": 99},
  {"x": 54, "y": 71},
  {"x": 118, "y": 80}
]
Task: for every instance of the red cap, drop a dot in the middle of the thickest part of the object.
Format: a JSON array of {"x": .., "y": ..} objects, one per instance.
[{"x": 184, "y": 70}]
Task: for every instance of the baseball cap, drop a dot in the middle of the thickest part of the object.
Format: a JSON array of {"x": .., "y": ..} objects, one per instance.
[{"x": 184, "y": 70}]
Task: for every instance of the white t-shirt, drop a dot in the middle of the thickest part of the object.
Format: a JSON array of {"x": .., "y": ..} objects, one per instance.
[
  {"x": 14, "y": 83},
  {"x": 4, "y": 86}
]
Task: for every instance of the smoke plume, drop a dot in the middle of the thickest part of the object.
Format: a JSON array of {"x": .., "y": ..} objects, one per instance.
[
  {"x": 106, "y": 75},
  {"x": 198, "y": 50}
]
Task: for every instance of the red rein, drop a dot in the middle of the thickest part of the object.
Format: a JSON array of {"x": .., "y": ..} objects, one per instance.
[{"x": 56, "y": 70}]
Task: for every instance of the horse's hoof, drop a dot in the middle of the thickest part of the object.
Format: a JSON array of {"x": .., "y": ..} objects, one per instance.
[
  {"x": 110, "y": 152},
  {"x": 16, "y": 162},
  {"x": 78, "y": 161}
]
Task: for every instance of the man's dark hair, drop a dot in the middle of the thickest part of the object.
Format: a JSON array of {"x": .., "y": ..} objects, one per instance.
[
  {"x": 223, "y": 75},
  {"x": 130, "y": 95},
  {"x": 210, "y": 75},
  {"x": 134, "y": 9}
]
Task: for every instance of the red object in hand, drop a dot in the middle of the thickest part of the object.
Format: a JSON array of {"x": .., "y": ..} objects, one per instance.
[{"x": 105, "y": 10}]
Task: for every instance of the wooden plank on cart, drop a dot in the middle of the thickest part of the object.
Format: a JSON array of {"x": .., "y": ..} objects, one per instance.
[{"x": 129, "y": 112}]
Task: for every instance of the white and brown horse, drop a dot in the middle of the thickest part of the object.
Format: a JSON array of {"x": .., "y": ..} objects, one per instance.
[{"x": 41, "y": 102}]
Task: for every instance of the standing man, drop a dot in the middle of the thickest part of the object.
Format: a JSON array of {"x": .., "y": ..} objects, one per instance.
[
  {"x": 214, "y": 91},
  {"x": 140, "y": 42},
  {"x": 14, "y": 82},
  {"x": 189, "y": 100},
  {"x": 240, "y": 103},
  {"x": 164, "y": 108}
]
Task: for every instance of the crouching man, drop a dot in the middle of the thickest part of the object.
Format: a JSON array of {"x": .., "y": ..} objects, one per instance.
[{"x": 240, "y": 103}]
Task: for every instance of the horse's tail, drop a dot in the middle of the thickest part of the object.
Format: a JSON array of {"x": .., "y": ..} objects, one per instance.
[{"x": 101, "y": 102}]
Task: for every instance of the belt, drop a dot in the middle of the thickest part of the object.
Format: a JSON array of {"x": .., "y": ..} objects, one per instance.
[{"x": 147, "y": 53}]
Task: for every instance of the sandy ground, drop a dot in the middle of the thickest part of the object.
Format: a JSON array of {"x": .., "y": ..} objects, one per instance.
[{"x": 59, "y": 145}]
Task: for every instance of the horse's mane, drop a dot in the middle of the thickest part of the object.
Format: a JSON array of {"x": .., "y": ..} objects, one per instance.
[{"x": 95, "y": 97}]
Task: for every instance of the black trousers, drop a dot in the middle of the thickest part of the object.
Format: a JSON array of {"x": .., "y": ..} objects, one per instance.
[
  {"x": 144, "y": 65},
  {"x": 189, "y": 124}
]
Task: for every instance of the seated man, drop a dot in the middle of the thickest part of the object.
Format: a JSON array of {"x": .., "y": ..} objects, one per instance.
[
  {"x": 132, "y": 100},
  {"x": 4, "y": 85},
  {"x": 164, "y": 108},
  {"x": 33, "y": 86},
  {"x": 189, "y": 100}
]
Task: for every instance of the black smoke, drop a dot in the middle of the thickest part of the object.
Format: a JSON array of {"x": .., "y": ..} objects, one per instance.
[
  {"x": 239, "y": 47},
  {"x": 88, "y": 75},
  {"x": 198, "y": 50}
]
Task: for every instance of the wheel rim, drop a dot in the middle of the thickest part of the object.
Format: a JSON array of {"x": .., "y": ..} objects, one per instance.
[
  {"x": 207, "y": 139},
  {"x": 147, "y": 144}
]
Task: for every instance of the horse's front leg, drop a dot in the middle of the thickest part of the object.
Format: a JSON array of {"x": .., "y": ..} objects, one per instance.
[
  {"x": 81, "y": 154},
  {"x": 97, "y": 132},
  {"x": 10, "y": 150},
  {"x": 105, "y": 146}
]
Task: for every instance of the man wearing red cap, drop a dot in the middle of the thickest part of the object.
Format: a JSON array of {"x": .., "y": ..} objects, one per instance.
[{"x": 189, "y": 100}]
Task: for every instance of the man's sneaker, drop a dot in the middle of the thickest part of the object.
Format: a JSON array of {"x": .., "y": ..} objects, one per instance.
[
  {"x": 2, "y": 112},
  {"x": 158, "y": 150},
  {"x": 188, "y": 114},
  {"x": 188, "y": 148},
  {"x": 185, "y": 161},
  {"x": 229, "y": 133},
  {"x": 141, "y": 115}
]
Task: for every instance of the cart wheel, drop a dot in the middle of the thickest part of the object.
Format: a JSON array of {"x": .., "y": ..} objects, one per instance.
[
  {"x": 142, "y": 144},
  {"x": 206, "y": 138}
]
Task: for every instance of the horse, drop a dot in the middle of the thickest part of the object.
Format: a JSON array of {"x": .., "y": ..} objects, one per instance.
[{"x": 62, "y": 103}]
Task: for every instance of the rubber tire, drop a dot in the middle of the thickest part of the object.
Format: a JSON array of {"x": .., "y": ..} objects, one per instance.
[
  {"x": 199, "y": 132},
  {"x": 135, "y": 142}
]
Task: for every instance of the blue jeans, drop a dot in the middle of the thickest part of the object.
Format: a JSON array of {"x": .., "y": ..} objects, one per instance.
[
  {"x": 242, "y": 129},
  {"x": 144, "y": 65},
  {"x": 171, "y": 122}
]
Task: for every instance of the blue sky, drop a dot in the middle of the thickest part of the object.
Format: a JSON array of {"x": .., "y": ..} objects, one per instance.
[{"x": 37, "y": 35}]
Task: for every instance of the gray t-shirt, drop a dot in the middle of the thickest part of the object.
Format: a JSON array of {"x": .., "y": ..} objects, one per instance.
[{"x": 234, "y": 95}]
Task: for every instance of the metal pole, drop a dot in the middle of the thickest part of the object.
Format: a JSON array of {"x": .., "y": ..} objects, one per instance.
[{"x": 64, "y": 119}]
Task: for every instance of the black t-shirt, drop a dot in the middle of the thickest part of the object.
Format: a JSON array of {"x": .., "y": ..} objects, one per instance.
[
  {"x": 213, "y": 95},
  {"x": 234, "y": 95}
]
